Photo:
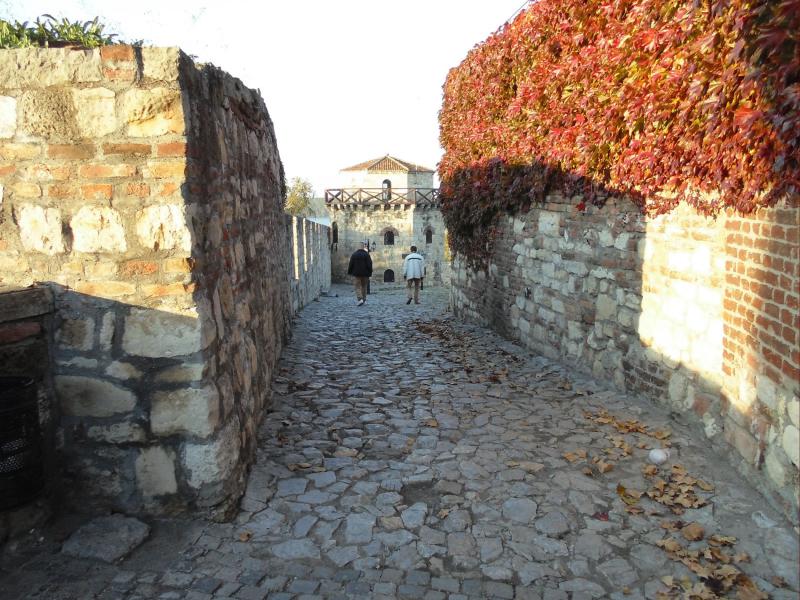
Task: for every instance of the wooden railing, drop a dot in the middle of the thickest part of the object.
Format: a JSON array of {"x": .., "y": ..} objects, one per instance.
[{"x": 393, "y": 196}]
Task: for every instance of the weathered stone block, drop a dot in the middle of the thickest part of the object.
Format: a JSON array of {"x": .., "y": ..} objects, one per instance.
[
  {"x": 187, "y": 411},
  {"x": 49, "y": 114},
  {"x": 775, "y": 467},
  {"x": 8, "y": 117},
  {"x": 98, "y": 229},
  {"x": 606, "y": 307},
  {"x": 154, "y": 333},
  {"x": 767, "y": 392},
  {"x": 123, "y": 371},
  {"x": 95, "y": 111},
  {"x": 106, "y": 538},
  {"x": 47, "y": 67},
  {"x": 155, "y": 472},
  {"x": 160, "y": 64},
  {"x": 793, "y": 409},
  {"x": 117, "y": 433},
  {"x": 791, "y": 443},
  {"x": 77, "y": 334},
  {"x": 184, "y": 373},
  {"x": 90, "y": 397},
  {"x": 107, "y": 328},
  {"x": 742, "y": 440},
  {"x": 163, "y": 227},
  {"x": 212, "y": 462},
  {"x": 549, "y": 223},
  {"x": 677, "y": 388},
  {"x": 152, "y": 112},
  {"x": 40, "y": 229},
  {"x": 105, "y": 289}
]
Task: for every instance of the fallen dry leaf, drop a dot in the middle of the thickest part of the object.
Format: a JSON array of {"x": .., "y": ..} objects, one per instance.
[
  {"x": 747, "y": 590},
  {"x": 296, "y": 466},
  {"x": 778, "y": 582},
  {"x": 604, "y": 467},
  {"x": 649, "y": 470},
  {"x": 245, "y": 536},
  {"x": 706, "y": 487},
  {"x": 532, "y": 467},
  {"x": 600, "y": 516},
  {"x": 722, "y": 540},
  {"x": 670, "y": 545},
  {"x": 629, "y": 497},
  {"x": 693, "y": 532},
  {"x": 431, "y": 423}
]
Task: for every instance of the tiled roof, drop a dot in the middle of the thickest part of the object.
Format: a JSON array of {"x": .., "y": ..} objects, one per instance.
[{"x": 388, "y": 163}]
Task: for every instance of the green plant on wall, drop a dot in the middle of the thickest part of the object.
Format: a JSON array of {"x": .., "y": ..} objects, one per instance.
[{"x": 47, "y": 31}]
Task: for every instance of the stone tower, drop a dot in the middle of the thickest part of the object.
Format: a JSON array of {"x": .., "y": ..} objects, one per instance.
[{"x": 391, "y": 204}]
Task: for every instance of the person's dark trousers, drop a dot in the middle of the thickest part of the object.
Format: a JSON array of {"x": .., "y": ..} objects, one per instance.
[{"x": 360, "y": 285}]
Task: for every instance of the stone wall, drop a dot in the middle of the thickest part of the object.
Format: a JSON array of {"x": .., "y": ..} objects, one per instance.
[
  {"x": 311, "y": 260},
  {"x": 369, "y": 222},
  {"x": 146, "y": 192},
  {"x": 695, "y": 312}
]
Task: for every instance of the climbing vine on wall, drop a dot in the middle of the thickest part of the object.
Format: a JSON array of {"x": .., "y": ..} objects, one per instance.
[{"x": 660, "y": 100}]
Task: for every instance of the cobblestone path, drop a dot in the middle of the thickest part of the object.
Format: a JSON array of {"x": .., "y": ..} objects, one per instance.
[{"x": 411, "y": 456}]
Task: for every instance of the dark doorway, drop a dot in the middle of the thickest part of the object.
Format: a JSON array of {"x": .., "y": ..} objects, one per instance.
[{"x": 388, "y": 276}]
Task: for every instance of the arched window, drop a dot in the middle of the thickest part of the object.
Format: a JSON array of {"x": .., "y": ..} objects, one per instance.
[
  {"x": 428, "y": 235},
  {"x": 388, "y": 276},
  {"x": 335, "y": 233},
  {"x": 388, "y": 238},
  {"x": 387, "y": 189}
]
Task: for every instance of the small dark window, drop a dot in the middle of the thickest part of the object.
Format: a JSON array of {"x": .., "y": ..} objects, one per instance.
[
  {"x": 387, "y": 189},
  {"x": 335, "y": 232},
  {"x": 388, "y": 276},
  {"x": 428, "y": 236},
  {"x": 388, "y": 238}
]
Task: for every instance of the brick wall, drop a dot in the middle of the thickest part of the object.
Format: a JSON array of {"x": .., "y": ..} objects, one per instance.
[
  {"x": 695, "y": 312},
  {"x": 147, "y": 193},
  {"x": 761, "y": 347}
]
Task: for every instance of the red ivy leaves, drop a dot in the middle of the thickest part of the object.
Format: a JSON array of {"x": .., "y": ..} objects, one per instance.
[{"x": 632, "y": 97}]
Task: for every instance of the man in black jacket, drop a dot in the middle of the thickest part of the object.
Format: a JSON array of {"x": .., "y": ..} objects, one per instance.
[{"x": 360, "y": 268}]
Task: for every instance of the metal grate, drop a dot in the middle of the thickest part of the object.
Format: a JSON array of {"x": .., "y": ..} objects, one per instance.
[{"x": 21, "y": 474}]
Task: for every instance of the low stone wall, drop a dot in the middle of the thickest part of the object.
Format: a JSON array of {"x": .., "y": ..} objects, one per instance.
[
  {"x": 311, "y": 260},
  {"x": 146, "y": 192},
  {"x": 696, "y": 312}
]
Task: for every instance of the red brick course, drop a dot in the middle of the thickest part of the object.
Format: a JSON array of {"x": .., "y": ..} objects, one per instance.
[{"x": 16, "y": 332}]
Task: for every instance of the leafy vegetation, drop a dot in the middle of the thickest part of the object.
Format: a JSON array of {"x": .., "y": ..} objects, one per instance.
[
  {"x": 659, "y": 100},
  {"x": 47, "y": 31},
  {"x": 299, "y": 196}
]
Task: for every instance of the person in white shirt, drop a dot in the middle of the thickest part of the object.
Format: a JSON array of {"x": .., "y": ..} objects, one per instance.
[{"x": 413, "y": 272}]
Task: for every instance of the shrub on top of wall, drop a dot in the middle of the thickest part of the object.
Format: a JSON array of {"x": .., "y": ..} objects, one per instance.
[
  {"x": 47, "y": 31},
  {"x": 661, "y": 100}
]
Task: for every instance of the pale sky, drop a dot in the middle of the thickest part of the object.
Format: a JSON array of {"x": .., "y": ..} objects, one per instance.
[{"x": 344, "y": 80}]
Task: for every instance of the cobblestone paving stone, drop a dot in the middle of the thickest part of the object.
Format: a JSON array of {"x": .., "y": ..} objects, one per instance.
[{"x": 408, "y": 455}]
